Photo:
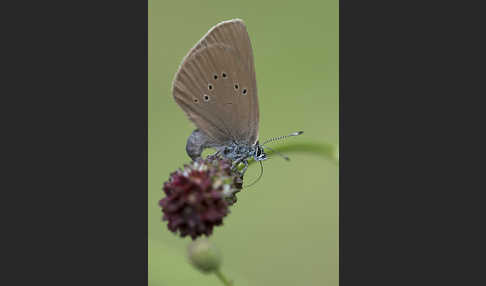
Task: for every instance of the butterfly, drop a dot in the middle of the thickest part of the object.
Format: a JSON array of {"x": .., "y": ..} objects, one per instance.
[{"x": 215, "y": 86}]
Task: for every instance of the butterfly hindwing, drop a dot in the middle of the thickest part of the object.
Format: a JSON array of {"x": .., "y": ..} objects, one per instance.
[{"x": 216, "y": 87}]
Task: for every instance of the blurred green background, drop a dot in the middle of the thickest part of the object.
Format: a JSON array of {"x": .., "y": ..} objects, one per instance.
[{"x": 283, "y": 230}]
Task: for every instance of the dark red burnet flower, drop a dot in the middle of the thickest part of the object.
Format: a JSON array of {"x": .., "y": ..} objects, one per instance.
[{"x": 199, "y": 195}]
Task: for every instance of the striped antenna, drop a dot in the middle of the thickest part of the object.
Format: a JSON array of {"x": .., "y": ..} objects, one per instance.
[{"x": 282, "y": 137}]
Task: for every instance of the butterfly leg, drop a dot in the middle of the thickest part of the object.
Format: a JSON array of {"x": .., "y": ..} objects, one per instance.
[
  {"x": 236, "y": 162},
  {"x": 246, "y": 167}
]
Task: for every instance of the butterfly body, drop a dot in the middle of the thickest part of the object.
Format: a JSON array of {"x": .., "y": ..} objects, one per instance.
[
  {"x": 240, "y": 152},
  {"x": 235, "y": 151}
]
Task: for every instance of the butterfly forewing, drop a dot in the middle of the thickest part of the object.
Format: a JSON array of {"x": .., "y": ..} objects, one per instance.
[{"x": 216, "y": 87}]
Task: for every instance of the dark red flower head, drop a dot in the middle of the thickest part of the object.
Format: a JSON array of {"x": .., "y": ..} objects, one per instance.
[{"x": 198, "y": 196}]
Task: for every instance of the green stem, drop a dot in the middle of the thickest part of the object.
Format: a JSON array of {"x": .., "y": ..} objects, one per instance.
[{"x": 223, "y": 279}]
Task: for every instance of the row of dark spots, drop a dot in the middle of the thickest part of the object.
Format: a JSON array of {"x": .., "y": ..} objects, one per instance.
[
  {"x": 237, "y": 87},
  {"x": 206, "y": 98},
  {"x": 223, "y": 75},
  {"x": 210, "y": 87}
]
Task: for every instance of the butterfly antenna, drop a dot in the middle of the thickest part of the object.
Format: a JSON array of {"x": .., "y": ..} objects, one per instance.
[
  {"x": 279, "y": 153},
  {"x": 259, "y": 177},
  {"x": 282, "y": 137}
]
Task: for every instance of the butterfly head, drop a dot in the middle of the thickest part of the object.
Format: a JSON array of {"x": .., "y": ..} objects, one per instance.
[{"x": 259, "y": 154}]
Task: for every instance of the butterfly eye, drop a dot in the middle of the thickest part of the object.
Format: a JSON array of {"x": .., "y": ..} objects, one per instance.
[
  {"x": 244, "y": 91},
  {"x": 236, "y": 86},
  {"x": 196, "y": 100},
  {"x": 215, "y": 76},
  {"x": 210, "y": 86},
  {"x": 223, "y": 75},
  {"x": 206, "y": 97}
]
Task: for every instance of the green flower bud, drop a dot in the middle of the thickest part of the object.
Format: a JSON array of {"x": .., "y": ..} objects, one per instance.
[{"x": 204, "y": 255}]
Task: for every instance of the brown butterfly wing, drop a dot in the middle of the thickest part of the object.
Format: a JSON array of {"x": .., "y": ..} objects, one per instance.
[{"x": 216, "y": 86}]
